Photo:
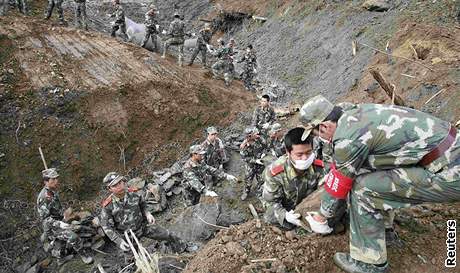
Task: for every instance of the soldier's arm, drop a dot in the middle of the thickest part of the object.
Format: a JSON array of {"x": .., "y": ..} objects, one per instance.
[
  {"x": 216, "y": 172},
  {"x": 222, "y": 153},
  {"x": 272, "y": 195},
  {"x": 193, "y": 181},
  {"x": 255, "y": 117},
  {"x": 45, "y": 213},
  {"x": 272, "y": 115},
  {"x": 108, "y": 226}
]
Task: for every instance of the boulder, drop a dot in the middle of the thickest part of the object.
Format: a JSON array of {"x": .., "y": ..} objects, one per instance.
[{"x": 377, "y": 5}]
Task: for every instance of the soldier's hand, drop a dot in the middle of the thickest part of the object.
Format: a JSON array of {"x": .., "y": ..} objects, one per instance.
[
  {"x": 265, "y": 125},
  {"x": 231, "y": 178},
  {"x": 150, "y": 218},
  {"x": 259, "y": 161},
  {"x": 64, "y": 225},
  {"x": 210, "y": 193},
  {"x": 124, "y": 246}
]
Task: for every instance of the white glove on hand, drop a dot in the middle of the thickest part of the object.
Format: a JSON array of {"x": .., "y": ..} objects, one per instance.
[
  {"x": 210, "y": 193},
  {"x": 293, "y": 218},
  {"x": 64, "y": 225},
  {"x": 124, "y": 246},
  {"x": 317, "y": 227},
  {"x": 150, "y": 218},
  {"x": 231, "y": 178}
]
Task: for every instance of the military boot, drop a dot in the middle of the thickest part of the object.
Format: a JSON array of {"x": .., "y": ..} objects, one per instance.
[{"x": 350, "y": 265}]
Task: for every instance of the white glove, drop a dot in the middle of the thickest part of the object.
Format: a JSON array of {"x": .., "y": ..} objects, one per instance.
[
  {"x": 163, "y": 32},
  {"x": 210, "y": 193},
  {"x": 231, "y": 178},
  {"x": 157, "y": 27},
  {"x": 266, "y": 125},
  {"x": 317, "y": 227},
  {"x": 150, "y": 218},
  {"x": 293, "y": 218},
  {"x": 221, "y": 167},
  {"x": 193, "y": 34},
  {"x": 64, "y": 225},
  {"x": 124, "y": 246}
]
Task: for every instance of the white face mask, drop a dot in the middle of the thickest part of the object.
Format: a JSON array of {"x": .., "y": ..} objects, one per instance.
[{"x": 303, "y": 164}]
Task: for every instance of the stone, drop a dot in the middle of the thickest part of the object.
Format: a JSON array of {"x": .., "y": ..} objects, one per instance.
[{"x": 376, "y": 5}]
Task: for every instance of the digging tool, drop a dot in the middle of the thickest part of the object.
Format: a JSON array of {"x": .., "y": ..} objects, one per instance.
[{"x": 43, "y": 157}]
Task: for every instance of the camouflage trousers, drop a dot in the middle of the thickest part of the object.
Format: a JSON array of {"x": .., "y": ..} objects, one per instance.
[
  {"x": 375, "y": 194},
  {"x": 51, "y": 5},
  {"x": 253, "y": 171},
  {"x": 175, "y": 41},
  {"x": 119, "y": 26},
  {"x": 80, "y": 15},
  {"x": 247, "y": 76},
  {"x": 199, "y": 48},
  {"x": 225, "y": 67},
  {"x": 150, "y": 33},
  {"x": 69, "y": 237}
]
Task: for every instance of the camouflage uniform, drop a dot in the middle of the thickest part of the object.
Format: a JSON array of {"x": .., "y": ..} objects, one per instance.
[
  {"x": 119, "y": 215},
  {"x": 215, "y": 153},
  {"x": 197, "y": 178},
  {"x": 284, "y": 189},
  {"x": 177, "y": 37},
  {"x": 250, "y": 65},
  {"x": 119, "y": 23},
  {"x": 390, "y": 141},
  {"x": 250, "y": 154},
  {"x": 80, "y": 14},
  {"x": 262, "y": 116},
  {"x": 150, "y": 28},
  {"x": 276, "y": 146},
  {"x": 51, "y": 214},
  {"x": 204, "y": 38},
  {"x": 58, "y": 5},
  {"x": 224, "y": 63},
  {"x": 4, "y": 4}
]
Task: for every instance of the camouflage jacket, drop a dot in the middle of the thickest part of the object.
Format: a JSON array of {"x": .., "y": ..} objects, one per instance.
[
  {"x": 262, "y": 116},
  {"x": 119, "y": 14},
  {"x": 151, "y": 21},
  {"x": 195, "y": 174},
  {"x": 380, "y": 137},
  {"x": 276, "y": 146},
  {"x": 120, "y": 214},
  {"x": 323, "y": 151},
  {"x": 250, "y": 60},
  {"x": 253, "y": 151},
  {"x": 284, "y": 188},
  {"x": 49, "y": 208},
  {"x": 224, "y": 53},
  {"x": 215, "y": 152},
  {"x": 204, "y": 37},
  {"x": 177, "y": 29}
]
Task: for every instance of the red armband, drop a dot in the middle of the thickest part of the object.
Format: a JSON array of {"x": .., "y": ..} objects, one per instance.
[{"x": 337, "y": 184}]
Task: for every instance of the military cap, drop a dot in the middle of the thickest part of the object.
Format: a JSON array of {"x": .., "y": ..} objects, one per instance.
[
  {"x": 152, "y": 6},
  {"x": 50, "y": 173},
  {"x": 250, "y": 130},
  {"x": 112, "y": 178},
  {"x": 274, "y": 128},
  {"x": 197, "y": 149},
  {"x": 313, "y": 112},
  {"x": 211, "y": 130}
]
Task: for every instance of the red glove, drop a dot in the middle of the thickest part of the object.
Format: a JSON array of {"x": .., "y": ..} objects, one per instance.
[{"x": 337, "y": 184}]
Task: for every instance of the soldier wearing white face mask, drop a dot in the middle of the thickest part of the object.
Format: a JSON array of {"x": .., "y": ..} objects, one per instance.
[{"x": 290, "y": 179}]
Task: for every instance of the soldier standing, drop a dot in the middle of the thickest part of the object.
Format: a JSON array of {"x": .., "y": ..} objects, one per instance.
[
  {"x": 204, "y": 38},
  {"x": 80, "y": 14},
  {"x": 224, "y": 62},
  {"x": 412, "y": 157},
  {"x": 276, "y": 140},
  {"x": 215, "y": 150},
  {"x": 176, "y": 33},
  {"x": 124, "y": 209},
  {"x": 51, "y": 5},
  {"x": 151, "y": 24},
  {"x": 264, "y": 115},
  {"x": 119, "y": 23},
  {"x": 252, "y": 151},
  {"x": 198, "y": 176},
  {"x": 51, "y": 214},
  {"x": 289, "y": 179},
  {"x": 250, "y": 68}
]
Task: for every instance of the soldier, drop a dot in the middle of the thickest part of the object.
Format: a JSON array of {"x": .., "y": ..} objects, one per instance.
[
  {"x": 124, "y": 209},
  {"x": 51, "y": 214},
  {"x": 80, "y": 14},
  {"x": 204, "y": 39},
  {"x": 224, "y": 62},
  {"x": 119, "y": 23},
  {"x": 252, "y": 151},
  {"x": 275, "y": 141},
  {"x": 411, "y": 158},
  {"x": 176, "y": 33},
  {"x": 250, "y": 68},
  {"x": 58, "y": 5},
  {"x": 264, "y": 115},
  {"x": 198, "y": 176},
  {"x": 151, "y": 27},
  {"x": 289, "y": 179},
  {"x": 215, "y": 151}
]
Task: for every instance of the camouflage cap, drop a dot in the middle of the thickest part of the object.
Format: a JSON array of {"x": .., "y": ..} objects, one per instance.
[
  {"x": 274, "y": 128},
  {"x": 112, "y": 178},
  {"x": 50, "y": 173},
  {"x": 152, "y": 6},
  {"x": 197, "y": 149},
  {"x": 313, "y": 112},
  {"x": 211, "y": 130}
]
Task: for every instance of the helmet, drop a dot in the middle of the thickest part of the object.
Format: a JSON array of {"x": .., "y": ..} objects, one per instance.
[
  {"x": 313, "y": 112},
  {"x": 112, "y": 178}
]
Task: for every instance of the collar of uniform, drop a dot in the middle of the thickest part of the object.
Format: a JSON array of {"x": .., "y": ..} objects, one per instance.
[{"x": 118, "y": 199}]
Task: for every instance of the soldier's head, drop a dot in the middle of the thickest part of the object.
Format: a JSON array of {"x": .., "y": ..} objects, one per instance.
[
  {"x": 50, "y": 178},
  {"x": 249, "y": 48},
  {"x": 115, "y": 183},
  {"x": 265, "y": 101},
  {"x": 300, "y": 151},
  {"x": 197, "y": 153},
  {"x": 212, "y": 133},
  {"x": 275, "y": 131},
  {"x": 251, "y": 133},
  {"x": 319, "y": 116}
]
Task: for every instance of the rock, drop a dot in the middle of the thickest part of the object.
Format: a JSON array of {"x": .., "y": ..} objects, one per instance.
[
  {"x": 177, "y": 190},
  {"x": 45, "y": 263},
  {"x": 376, "y": 5},
  {"x": 276, "y": 230},
  {"x": 291, "y": 235},
  {"x": 226, "y": 238}
]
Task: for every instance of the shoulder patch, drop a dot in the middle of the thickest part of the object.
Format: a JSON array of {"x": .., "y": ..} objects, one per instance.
[
  {"x": 107, "y": 201},
  {"x": 275, "y": 170},
  {"x": 318, "y": 163},
  {"x": 131, "y": 189}
]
